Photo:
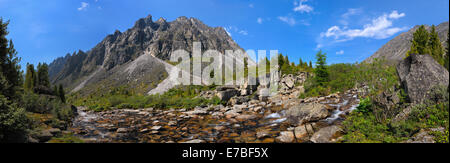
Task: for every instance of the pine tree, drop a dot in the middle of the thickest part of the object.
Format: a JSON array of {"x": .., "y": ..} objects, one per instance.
[
  {"x": 61, "y": 93},
  {"x": 420, "y": 42},
  {"x": 42, "y": 75},
  {"x": 30, "y": 78},
  {"x": 321, "y": 72},
  {"x": 9, "y": 65},
  {"x": 310, "y": 64},
  {"x": 447, "y": 56},
  {"x": 437, "y": 51},
  {"x": 13, "y": 120},
  {"x": 55, "y": 90}
]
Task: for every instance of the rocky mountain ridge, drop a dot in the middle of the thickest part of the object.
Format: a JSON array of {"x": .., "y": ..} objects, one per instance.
[{"x": 107, "y": 62}]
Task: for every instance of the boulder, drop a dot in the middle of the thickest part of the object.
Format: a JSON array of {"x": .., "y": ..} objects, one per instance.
[
  {"x": 325, "y": 135},
  {"x": 418, "y": 74},
  {"x": 307, "y": 112},
  {"x": 226, "y": 95},
  {"x": 238, "y": 100},
  {"x": 43, "y": 136},
  {"x": 303, "y": 132},
  {"x": 286, "y": 137},
  {"x": 122, "y": 130}
]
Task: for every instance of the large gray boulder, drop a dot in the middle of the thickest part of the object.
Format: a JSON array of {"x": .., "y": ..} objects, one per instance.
[
  {"x": 326, "y": 135},
  {"x": 226, "y": 95},
  {"x": 418, "y": 74},
  {"x": 307, "y": 112}
]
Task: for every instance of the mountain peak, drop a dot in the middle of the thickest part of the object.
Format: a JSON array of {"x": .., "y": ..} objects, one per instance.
[{"x": 143, "y": 22}]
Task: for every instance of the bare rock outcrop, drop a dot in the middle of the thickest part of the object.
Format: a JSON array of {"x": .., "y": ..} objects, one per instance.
[{"x": 419, "y": 74}]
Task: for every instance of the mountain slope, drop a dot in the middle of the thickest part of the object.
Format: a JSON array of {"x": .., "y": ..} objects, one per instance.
[
  {"x": 136, "y": 58},
  {"x": 396, "y": 49}
]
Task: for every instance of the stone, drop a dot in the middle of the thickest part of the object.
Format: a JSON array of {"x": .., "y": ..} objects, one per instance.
[
  {"x": 195, "y": 141},
  {"x": 54, "y": 131},
  {"x": 245, "y": 117},
  {"x": 172, "y": 123},
  {"x": 303, "y": 131},
  {"x": 286, "y": 137},
  {"x": 121, "y": 130},
  {"x": 238, "y": 100},
  {"x": 156, "y": 128},
  {"x": 43, "y": 136},
  {"x": 325, "y": 135},
  {"x": 307, "y": 112},
  {"x": 418, "y": 74},
  {"x": 227, "y": 94},
  {"x": 268, "y": 140},
  {"x": 262, "y": 134}
]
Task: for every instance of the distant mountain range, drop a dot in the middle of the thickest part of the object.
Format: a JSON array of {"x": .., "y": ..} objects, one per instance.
[
  {"x": 396, "y": 49},
  {"x": 136, "y": 58}
]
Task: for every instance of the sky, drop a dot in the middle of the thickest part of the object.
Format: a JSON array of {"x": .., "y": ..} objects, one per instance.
[{"x": 348, "y": 31}]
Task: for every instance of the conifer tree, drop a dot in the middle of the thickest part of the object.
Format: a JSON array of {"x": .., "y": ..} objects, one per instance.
[
  {"x": 55, "y": 90},
  {"x": 30, "y": 78},
  {"x": 13, "y": 120},
  {"x": 437, "y": 51},
  {"x": 9, "y": 65},
  {"x": 321, "y": 72},
  {"x": 420, "y": 42},
  {"x": 447, "y": 56},
  {"x": 61, "y": 93},
  {"x": 42, "y": 74}
]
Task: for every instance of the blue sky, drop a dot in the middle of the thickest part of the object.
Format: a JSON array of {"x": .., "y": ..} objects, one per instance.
[{"x": 347, "y": 30}]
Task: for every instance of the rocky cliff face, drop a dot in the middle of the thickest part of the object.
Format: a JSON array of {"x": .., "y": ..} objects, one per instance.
[
  {"x": 118, "y": 59},
  {"x": 396, "y": 49}
]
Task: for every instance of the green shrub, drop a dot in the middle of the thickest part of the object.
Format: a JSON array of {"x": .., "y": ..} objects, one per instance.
[
  {"x": 365, "y": 106},
  {"x": 13, "y": 121}
]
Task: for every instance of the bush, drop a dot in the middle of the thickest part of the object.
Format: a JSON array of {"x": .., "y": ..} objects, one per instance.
[
  {"x": 13, "y": 121},
  {"x": 365, "y": 106}
]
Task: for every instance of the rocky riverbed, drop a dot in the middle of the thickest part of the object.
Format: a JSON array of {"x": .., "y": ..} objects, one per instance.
[{"x": 279, "y": 119}]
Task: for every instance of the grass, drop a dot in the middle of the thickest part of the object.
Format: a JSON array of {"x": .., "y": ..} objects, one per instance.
[{"x": 176, "y": 98}]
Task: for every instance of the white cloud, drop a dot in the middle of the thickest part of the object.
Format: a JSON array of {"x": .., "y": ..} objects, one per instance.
[
  {"x": 302, "y": 7},
  {"x": 340, "y": 52},
  {"x": 379, "y": 28},
  {"x": 259, "y": 20},
  {"x": 396, "y": 15},
  {"x": 351, "y": 12},
  {"x": 84, "y": 6},
  {"x": 243, "y": 32},
  {"x": 289, "y": 20}
]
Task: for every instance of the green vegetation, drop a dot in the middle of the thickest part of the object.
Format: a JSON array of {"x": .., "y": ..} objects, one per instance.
[
  {"x": 21, "y": 98},
  {"x": 321, "y": 76},
  {"x": 447, "y": 56},
  {"x": 66, "y": 138},
  {"x": 13, "y": 120},
  {"x": 427, "y": 43},
  {"x": 177, "y": 98},
  {"x": 363, "y": 127},
  {"x": 287, "y": 67},
  {"x": 334, "y": 78}
]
